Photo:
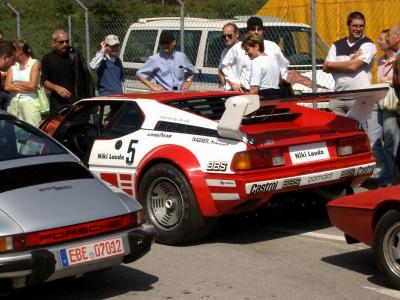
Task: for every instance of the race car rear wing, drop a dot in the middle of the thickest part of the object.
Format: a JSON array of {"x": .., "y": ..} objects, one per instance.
[
  {"x": 235, "y": 109},
  {"x": 239, "y": 106}
]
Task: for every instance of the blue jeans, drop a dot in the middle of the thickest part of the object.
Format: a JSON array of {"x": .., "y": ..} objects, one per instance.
[
  {"x": 4, "y": 99},
  {"x": 384, "y": 135}
]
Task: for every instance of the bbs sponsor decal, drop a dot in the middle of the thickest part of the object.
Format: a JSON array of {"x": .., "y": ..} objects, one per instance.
[
  {"x": 365, "y": 170},
  {"x": 347, "y": 173},
  {"x": 217, "y": 166},
  {"x": 263, "y": 187},
  {"x": 291, "y": 182}
]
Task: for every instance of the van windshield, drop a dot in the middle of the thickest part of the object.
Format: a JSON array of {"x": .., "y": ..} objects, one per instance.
[{"x": 295, "y": 43}]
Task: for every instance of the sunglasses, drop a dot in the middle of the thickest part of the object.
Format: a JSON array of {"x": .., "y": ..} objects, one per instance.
[
  {"x": 63, "y": 42},
  {"x": 224, "y": 36}
]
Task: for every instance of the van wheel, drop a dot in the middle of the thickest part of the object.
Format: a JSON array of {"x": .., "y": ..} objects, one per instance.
[
  {"x": 386, "y": 246},
  {"x": 170, "y": 205}
]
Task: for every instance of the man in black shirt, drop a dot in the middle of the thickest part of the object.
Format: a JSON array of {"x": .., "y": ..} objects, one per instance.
[
  {"x": 7, "y": 53},
  {"x": 65, "y": 73}
]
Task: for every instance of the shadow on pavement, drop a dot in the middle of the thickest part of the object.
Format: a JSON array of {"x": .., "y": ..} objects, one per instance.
[
  {"x": 360, "y": 261},
  {"x": 302, "y": 214},
  {"x": 120, "y": 280}
]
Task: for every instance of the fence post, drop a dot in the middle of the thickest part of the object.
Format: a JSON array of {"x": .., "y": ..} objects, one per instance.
[
  {"x": 70, "y": 30},
  {"x": 313, "y": 48},
  {"x": 182, "y": 25},
  {"x": 86, "y": 30},
  {"x": 17, "y": 14}
]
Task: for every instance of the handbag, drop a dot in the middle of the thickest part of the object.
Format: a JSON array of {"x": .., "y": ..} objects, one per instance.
[
  {"x": 389, "y": 103},
  {"x": 43, "y": 100}
]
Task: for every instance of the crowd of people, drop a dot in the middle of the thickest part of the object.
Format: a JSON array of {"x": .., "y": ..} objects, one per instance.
[{"x": 254, "y": 66}]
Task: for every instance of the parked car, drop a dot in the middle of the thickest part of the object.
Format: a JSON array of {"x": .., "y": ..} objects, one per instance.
[
  {"x": 373, "y": 218},
  {"x": 190, "y": 157},
  {"x": 56, "y": 218},
  {"x": 203, "y": 46}
]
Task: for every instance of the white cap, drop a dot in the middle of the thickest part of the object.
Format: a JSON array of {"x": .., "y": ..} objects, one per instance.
[{"x": 111, "y": 40}]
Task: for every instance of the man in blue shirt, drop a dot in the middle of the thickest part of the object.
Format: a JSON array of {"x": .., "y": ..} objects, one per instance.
[
  {"x": 170, "y": 69},
  {"x": 110, "y": 72}
]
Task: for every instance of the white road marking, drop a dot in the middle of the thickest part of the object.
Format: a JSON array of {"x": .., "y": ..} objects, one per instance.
[
  {"x": 384, "y": 291},
  {"x": 316, "y": 235}
]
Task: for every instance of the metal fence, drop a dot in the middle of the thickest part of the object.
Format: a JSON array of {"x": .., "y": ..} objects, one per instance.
[{"x": 202, "y": 43}]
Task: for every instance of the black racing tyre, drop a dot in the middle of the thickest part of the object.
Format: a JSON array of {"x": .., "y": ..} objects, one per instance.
[
  {"x": 386, "y": 247},
  {"x": 170, "y": 205}
]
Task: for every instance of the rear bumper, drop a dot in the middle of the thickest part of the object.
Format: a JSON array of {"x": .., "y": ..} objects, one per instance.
[
  {"x": 29, "y": 268},
  {"x": 248, "y": 192}
]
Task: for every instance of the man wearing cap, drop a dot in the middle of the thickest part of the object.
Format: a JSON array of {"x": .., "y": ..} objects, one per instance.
[
  {"x": 110, "y": 72},
  {"x": 170, "y": 69},
  {"x": 236, "y": 64}
]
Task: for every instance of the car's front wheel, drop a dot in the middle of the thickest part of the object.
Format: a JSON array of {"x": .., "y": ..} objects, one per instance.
[
  {"x": 171, "y": 206},
  {"x": 386, "y": 246}
]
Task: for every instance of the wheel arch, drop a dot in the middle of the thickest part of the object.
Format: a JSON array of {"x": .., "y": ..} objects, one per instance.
[
  {"x": 185, "y": 161},
  {"x": 382, "y": 209}
]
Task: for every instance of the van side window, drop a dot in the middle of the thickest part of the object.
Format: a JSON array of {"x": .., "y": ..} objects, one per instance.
[
  {"x": 140, "y": 45},
  {"x": 192, "y": 42},
  {"x": 214, "y": 47}
]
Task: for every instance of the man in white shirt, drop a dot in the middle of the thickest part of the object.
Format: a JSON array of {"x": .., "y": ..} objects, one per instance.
[
  {"x": 230, "y": 36},
  {"x": 350, "y": 61},
  {"x": 236, "y": 65}
]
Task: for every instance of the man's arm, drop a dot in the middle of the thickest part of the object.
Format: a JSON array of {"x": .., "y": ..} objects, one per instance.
[
  {"x": 343, "y": 66},
  {"x": 98, "y": 58},
  {"x": 145, "y": 73},
  {"x": 147, "y": 82},
  {"x": 227, "y": 68}
]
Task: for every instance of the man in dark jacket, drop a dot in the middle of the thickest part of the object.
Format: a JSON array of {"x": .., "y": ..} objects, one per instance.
[{"x": 65, "y": 73}]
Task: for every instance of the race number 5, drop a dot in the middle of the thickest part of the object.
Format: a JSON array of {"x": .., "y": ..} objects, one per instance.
[{"x": 131, "y": 152}]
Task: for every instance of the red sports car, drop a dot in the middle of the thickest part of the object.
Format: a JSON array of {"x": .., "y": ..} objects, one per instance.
[
  {"x": 373, "y": 218},
  {"x": 190, "y": 157}
]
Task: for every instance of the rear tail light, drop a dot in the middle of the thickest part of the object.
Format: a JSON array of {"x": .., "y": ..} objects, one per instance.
[
  {"x": 255, "y": 159},
  {"x": 353, "y": 145},
  {"x": 68, "y": 233}
]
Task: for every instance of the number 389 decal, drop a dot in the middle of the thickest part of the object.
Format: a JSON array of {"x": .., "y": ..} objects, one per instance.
[{"x": 217, "y": 166}]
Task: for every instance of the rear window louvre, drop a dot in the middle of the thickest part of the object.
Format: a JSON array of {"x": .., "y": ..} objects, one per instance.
[
  {"x": 213, "y": 108},
  {"x": 20, "y": 177},
  {"x": 186, "y": 129}
]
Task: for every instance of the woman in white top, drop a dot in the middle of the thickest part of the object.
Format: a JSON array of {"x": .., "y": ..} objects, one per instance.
[
  {"x": 265, "y": 73},
  {"x": 22, "y": 82}
]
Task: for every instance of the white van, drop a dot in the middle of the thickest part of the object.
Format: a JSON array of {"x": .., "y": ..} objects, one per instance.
[{"x": 203, "y": 47}]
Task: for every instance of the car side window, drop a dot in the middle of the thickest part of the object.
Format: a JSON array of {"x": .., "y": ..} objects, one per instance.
[
  {"x": 125, "y": 120},
  {"x": 140, "y": 45},
  {"x": 192, "y": 42},
  {"x": 80, "y": 128},
  {"x": 214, "y": 47}
]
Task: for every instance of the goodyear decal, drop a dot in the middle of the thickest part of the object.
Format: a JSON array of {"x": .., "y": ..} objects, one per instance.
[{"x": 308, "y": 179}]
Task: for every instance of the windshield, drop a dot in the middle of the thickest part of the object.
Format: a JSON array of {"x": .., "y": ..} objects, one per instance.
[
  {"x": 18, "y": 140},
  {"x": 295, "y": 42}
]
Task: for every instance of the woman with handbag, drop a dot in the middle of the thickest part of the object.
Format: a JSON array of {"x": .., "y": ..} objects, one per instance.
[
  {"x": 385, "y": 133},
  {"x": 22, "y": 82}
]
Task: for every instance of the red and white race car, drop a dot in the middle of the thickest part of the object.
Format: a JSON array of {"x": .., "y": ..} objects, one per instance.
[{"x": 192, "y": 156}]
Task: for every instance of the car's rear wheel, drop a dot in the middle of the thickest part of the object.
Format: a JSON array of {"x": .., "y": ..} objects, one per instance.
[
  {"x": 171, "y": 206},
  {"x": 386, "y": 247}
]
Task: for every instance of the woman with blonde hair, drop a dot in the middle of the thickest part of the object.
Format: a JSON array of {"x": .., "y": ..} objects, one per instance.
[
  {"x": 265, "y": 73},
  {"x": 22, "y": 82}
]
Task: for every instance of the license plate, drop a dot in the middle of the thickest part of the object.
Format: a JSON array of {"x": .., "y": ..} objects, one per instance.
[
  {"x": 88, "y": 252},
  {"x": 308, "y": 152}
]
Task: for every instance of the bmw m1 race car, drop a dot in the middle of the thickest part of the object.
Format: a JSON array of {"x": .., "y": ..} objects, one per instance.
[
  {"x": 190, "y": 157},
  {"x": 57, "y": 219},
  {"x": 373, "y": 218}
]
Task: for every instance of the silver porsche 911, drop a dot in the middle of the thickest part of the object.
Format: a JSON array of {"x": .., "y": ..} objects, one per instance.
[{"x": 56, "y": 218}]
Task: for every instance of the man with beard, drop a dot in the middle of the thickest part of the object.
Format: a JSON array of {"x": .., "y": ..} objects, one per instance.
[{"x": 65, "y": 73}]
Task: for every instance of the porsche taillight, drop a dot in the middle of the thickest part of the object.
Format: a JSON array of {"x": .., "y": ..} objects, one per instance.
[
  {"x": 352, "y": 145},
  {"x": 255, "y": 159},
  {"x": 68, "y": 233}
]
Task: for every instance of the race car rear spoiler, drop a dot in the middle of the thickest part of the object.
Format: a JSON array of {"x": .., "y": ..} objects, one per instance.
[
  {"x": 235, "y": 109},
  {"x": 239, "y": 106}
]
